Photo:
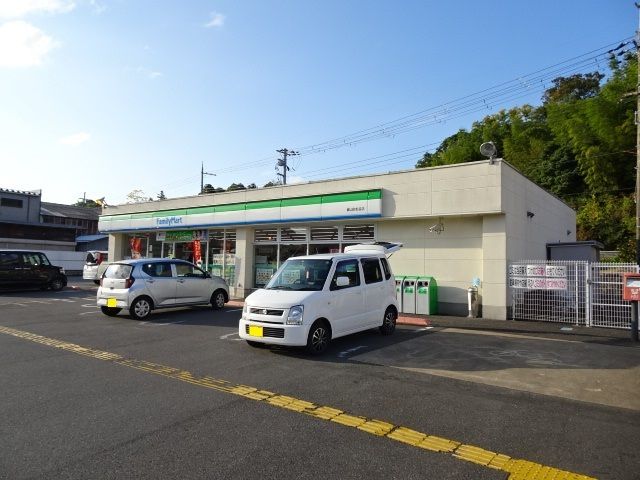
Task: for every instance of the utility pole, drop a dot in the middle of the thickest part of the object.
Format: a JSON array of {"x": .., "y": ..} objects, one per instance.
[
  {"x": 638, "y": 141},
  {"x": 202, "y": 174},
  {"x": 282, "y": 162}
]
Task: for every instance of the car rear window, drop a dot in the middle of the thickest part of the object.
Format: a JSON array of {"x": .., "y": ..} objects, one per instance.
[{"x": 118, "y": 271}]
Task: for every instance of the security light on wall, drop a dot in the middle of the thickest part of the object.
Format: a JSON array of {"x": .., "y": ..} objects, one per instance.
[
  {"x": 488, "y": 149},
  {"x": 438, "y": 227}
]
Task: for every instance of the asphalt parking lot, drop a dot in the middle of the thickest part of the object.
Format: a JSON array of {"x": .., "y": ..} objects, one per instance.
[{"x": 181, "y": 396}]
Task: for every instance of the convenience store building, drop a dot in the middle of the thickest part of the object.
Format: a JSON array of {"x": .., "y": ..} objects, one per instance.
[{"x": 458, "y": 223}]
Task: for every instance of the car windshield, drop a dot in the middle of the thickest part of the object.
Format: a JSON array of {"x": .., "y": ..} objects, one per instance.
[{"x": 300, "y": 274}]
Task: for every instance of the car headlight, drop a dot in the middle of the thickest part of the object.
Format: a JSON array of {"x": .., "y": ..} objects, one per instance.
[
  {"x": 245, "y": 309},
  {"x": 295, "y": 315}
]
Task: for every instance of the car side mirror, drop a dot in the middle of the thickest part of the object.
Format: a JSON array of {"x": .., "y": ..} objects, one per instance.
[
  {"x": 342, "y": 281},
  {"x": 207, "y": 275}
]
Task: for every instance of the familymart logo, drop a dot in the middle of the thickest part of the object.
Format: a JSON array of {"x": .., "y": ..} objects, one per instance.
[{"x": 168, "y": 221}]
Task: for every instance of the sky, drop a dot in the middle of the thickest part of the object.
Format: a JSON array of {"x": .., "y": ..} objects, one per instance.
[{"x": 99, "y": 98}]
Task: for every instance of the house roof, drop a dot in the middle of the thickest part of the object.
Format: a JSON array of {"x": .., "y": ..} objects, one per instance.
[{"x": 69, "y": 211}]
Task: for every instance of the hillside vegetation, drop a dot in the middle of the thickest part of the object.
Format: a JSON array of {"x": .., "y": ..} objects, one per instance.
[{"x": 579, "y": 144}]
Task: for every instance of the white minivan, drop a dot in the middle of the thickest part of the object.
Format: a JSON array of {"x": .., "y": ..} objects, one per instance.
[{"x": 313, "y": 299}]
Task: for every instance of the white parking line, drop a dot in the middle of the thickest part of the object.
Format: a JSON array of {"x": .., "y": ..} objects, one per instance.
[
  {"x": 226, "y": 337},
  {"x": 351, "y": 350}
]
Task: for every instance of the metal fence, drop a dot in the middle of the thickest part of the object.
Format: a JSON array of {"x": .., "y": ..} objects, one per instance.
[{"x": 576, "y": 292}]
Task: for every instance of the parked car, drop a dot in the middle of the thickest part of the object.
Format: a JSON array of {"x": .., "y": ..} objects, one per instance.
[
  {"x": 28, "y": 268},
  {"x": 95, "y": 265},
  {"x": 313, "y": 299},
  {"x": 143, "y": 285}
]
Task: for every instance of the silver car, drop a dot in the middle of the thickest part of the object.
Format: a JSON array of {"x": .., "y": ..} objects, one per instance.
[{"x": 148, "y": 284}]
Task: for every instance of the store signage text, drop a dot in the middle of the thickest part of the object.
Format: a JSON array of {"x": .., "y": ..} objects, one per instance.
[{"x": 168, "y": 221}]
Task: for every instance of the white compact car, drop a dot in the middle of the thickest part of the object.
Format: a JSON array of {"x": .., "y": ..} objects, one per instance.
[
  {"x": 95, "y": 265},
  {"x": 147, "y": 284},
  {"x": 313, "y": 299}
]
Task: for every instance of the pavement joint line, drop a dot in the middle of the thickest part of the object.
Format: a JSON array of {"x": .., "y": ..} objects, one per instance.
[{"x": 518, "y": 469}]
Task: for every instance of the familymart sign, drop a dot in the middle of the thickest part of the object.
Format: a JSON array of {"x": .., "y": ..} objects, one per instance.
[{"x": 363, "y": 204}]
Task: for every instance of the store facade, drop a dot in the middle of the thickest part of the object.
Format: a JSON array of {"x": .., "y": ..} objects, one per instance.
[{"x": 458, "y": 223}]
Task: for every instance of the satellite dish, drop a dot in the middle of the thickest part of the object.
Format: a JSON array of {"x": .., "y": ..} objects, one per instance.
[{"x": 488, "y": 149}]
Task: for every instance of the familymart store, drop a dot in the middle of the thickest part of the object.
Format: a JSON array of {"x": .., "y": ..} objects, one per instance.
[
  {"x": 246, "y": 242},
  {"x": 461, "y": 224}
]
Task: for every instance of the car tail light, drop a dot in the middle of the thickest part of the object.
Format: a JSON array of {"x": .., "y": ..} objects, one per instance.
[{"x": 128, "y": 282}]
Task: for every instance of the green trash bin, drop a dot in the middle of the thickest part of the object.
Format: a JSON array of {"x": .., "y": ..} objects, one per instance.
[
  {"x": 426, "y": 296},
  {"x": 399, "y": 280},
  {"x": 409, "y": 294}
]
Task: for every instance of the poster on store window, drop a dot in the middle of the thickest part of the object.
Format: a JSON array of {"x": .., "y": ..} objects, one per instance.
[
  {"x": 136, "y": 247},
  {"x": 197, "y": 253}
]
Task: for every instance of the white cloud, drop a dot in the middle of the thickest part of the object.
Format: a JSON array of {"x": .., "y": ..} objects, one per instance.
[
  {"x": 20, "y": 8},
  {"x": 295, "y": 179},
  {"x": 216, "y": 20},
  {"x": 75, "y": 139},
  {"x": 23, "y": 45},
  {"x": 98, "y": 7},
  {"x": 152, "y": 74}
]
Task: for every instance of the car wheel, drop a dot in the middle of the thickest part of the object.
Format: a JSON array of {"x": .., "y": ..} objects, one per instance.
[
  {"x": 319, "y": 338},
  {"x": 140, "y": 308},
  {"x": 56, "y": 284},
  {"x": 388, "y": 322},
  {"x": 110, "y": 311},
  {"x": 253, "y": 344},
  {"x": 217, "y": 299}
]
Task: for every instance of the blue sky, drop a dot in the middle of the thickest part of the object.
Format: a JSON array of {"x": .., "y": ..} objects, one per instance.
[{"x": 106, "y": 97}]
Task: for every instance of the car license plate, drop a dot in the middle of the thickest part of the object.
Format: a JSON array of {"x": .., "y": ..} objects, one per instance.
[
  {"x": 255, "y": 330},
  {"x": 111, "y": 302}
]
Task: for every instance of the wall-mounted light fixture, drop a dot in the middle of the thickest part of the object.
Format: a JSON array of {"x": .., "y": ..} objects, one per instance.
[
  {"x": 568, "y": 232},
  {"x": 530, "y": 214},
  {"x": 438, "y": 227}
]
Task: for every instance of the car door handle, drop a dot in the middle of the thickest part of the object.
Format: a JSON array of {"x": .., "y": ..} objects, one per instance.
[
  {"x": 150, "y": 281},
  {"x": 180, "y": 280}
]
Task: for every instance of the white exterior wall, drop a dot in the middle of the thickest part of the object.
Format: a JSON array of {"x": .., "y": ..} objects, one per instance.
[
  {"x": 552, "y": 221},
  {"x": 452, "y": 257}
]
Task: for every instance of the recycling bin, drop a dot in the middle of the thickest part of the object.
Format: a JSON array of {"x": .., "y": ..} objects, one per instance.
[
  {"x": 409, "y": 294},
  {"x": 426, "y": 296},
  {"x": 399, "y": 281}
]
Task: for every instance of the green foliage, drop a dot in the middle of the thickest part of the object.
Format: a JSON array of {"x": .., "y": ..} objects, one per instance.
[{"x": 579, "y": 144}]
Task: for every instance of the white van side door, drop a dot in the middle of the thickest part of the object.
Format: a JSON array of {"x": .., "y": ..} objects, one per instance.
[
  {"x": 346, "y": 303},
  {"x": 375, "y": 296}
]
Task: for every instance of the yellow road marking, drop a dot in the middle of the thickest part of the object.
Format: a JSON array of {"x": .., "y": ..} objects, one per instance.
[{"x": 516, "y": 468}]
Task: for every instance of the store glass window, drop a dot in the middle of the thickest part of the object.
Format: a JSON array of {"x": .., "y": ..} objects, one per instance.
[
  {"x": 287, "y": 251},
  {"x": 222, "y": 254},
  {"x": 358, "y": 233},
  {"x": 293, "y": 234},
  {"x": 263, "y": 235},
  {"x": 265, "y": 262},
  {"x": 324, "y": 234},
  {"x": 316, "y": 248}
]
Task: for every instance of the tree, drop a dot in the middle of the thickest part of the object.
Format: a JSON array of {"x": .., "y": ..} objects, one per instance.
[
  {"x": 575, "y": 87},
  {"x": 138, "y": 196},
  {"x": 236, "y": 186},
  {"x": 208, "y": 188},
  {"x": 161, "y": 195},
  {"x": 251, "y": 186},
  {"x": 272, "y": 183},
  {"x": 87, "y": 203}
]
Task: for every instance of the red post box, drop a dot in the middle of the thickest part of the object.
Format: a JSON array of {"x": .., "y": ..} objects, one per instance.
[{"x": 631, "y": 287}]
